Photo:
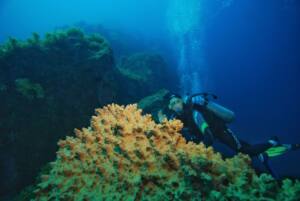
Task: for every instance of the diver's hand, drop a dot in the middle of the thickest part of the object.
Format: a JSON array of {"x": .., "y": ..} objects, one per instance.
[
  {"x": 161, "y": 116},
  {"x": 199, "y": 100}
]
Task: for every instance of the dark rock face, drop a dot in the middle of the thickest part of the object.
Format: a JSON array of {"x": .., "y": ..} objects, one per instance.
[
  {"x": 50, "y": 86},
  {"x": 47, "y": 88}
]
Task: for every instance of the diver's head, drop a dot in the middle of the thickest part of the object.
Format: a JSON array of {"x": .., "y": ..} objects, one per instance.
[{"x": 175, "y": 103}]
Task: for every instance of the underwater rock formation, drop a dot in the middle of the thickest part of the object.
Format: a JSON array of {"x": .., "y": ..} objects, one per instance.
[
  {"x": 153, "y": 103},
  {"x": 125, "y": 155},
  {"x": 146, "y": 73},
  {"x": 51, "y": 84},
  {"x": 143, "y": 67},
  {"x": 126, "y": 43},
  {"x": 28, "y": 89},
  {"x": 47, "y": 87}
]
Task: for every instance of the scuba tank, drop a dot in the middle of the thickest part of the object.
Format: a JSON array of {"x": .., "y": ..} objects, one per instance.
[{"x": 203, "y": 98}]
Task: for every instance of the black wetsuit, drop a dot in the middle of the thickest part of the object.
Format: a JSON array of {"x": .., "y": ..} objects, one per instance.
[{"x": 217, "y": 129}]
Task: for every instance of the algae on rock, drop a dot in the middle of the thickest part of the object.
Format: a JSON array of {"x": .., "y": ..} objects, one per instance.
[
  {"x": 29, "y": 89},
  {"x": 58, "y": 77}
]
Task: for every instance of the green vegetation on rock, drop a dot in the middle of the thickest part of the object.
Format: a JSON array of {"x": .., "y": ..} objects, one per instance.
[
  {"x": 29, "y": 89},
  {"x": 3, "y": 87},
  {"x": 57, "y": 75}
]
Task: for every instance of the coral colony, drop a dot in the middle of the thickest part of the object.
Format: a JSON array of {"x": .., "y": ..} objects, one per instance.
[{"x": 125, "y": 155}]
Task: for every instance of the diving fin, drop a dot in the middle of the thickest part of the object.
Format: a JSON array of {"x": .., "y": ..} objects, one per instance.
[
  {"x": 282, "y": 149},
  {"x": 278, "y": 150}
]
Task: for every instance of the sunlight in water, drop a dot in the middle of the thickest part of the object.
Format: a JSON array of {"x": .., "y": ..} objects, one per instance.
[{"x": 186, "y": 21}]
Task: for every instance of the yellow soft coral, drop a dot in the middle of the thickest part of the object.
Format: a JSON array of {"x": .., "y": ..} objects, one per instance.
[{"x": 125, "y": 155}]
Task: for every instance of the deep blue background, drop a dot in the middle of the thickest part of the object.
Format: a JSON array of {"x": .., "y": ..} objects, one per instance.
[{"x": 253, "y": 50}]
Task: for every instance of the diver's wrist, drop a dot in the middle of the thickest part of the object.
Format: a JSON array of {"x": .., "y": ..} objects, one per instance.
[{"x": 203, "y": 102}]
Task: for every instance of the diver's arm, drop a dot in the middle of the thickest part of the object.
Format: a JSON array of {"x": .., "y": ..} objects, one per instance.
[{"x": 197, "y": 103}]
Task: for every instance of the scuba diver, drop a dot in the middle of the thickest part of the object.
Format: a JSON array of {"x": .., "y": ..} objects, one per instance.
[{"x": 204, "y": 121}]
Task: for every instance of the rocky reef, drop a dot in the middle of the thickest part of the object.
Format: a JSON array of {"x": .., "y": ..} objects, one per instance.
[
  {"x": 126, "y": 43},
  {"x": 51, "y": 84},
  {"x": 125, "y": 155},
  {"x": 43, "y": 81},
  {"x": 153, "y": 103},
  {"x": 147, "y": 73}
]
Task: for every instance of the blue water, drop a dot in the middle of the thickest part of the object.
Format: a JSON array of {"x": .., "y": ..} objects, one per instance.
[
  {"x": 253, "y": 51},
  {"x": 245, "y": 51}
]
